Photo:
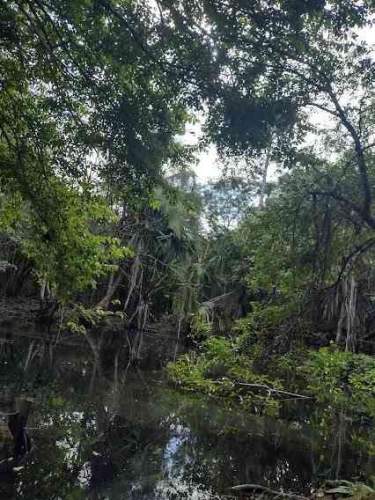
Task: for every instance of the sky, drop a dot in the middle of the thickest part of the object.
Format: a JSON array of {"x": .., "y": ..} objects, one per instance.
[{"x": 207, "y": 167}]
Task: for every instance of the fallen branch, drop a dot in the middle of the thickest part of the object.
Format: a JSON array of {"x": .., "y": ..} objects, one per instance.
[
  {"x": 293, "y": 395},
  {"x": 272, "y": 389},
  {"x": 264, "y": 489}
]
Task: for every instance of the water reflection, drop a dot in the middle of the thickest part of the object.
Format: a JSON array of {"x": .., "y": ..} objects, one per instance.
[{"x": 124, "y": 434}]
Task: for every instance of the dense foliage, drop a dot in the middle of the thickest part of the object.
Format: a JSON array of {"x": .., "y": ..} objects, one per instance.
[{"x": 267, "y": 273}]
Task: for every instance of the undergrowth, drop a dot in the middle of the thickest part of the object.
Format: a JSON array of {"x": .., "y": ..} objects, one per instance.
[{"x": 251, "y": 366}]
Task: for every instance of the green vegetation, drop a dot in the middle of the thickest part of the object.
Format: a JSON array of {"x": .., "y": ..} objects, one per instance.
[
  {"x": 264, "y": 277},
  {"x": 100, "y": 206}
]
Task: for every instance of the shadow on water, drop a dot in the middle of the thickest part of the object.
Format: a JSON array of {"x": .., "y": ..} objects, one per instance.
[{"x": 120, "y": 433}]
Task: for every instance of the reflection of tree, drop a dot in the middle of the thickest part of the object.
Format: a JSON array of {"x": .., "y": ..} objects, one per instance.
[
  {"x": 339, "y": 442},
  {"x": 341, "y": 448},
  {"x": 217, "y": 459},
  {"x": 132, "y": 439}
]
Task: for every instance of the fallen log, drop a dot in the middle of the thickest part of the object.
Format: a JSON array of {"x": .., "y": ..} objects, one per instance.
[{"x": 273, "y": 390}]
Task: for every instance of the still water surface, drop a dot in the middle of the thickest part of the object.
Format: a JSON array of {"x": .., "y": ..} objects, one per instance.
[{"x": 128, "y": 435}]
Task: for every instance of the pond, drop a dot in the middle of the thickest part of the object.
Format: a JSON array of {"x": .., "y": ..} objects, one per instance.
[{"x": 124, "y": 433}]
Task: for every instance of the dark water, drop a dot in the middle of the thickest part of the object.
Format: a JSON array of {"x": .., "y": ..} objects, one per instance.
[{"x": 125, "y": 434}]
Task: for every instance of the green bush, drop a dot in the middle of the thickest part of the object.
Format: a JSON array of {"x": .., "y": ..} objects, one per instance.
[
  {"x": 342, "y": 379},
  {"x": 219, "y": 371}
]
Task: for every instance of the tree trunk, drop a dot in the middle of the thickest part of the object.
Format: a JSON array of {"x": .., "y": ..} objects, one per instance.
[
  {"x": 112, "y": 287},
  {"x": 263, "y": 186}
]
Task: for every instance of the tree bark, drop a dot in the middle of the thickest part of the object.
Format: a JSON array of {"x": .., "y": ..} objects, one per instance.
[{"x": 112, "y": 287}]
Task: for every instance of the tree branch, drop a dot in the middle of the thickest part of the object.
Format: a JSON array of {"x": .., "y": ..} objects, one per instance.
[
  {"x": 323, "y": 108},
  {"x": 365, "y": 216},
  {"x": 365, "y": 185},
  {"x": 265, "y": 489},
  {"x": 358, "y": 250}
]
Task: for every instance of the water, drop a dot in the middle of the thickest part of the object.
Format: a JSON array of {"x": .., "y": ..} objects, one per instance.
[{"x": 126, "y": 434}]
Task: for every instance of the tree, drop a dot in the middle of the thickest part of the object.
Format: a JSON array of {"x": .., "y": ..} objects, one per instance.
[
  {"x": 79, "y": 115},
  {"x": 273, "y": 64}
]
